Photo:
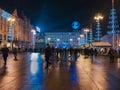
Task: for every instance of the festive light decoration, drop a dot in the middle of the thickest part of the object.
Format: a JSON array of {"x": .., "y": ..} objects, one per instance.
[
  {"x": 98, "y": 35},
  {"x": 113, "y": 26}
]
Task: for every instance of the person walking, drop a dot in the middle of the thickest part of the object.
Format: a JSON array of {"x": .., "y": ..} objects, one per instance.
[
  {"x": 111, "y": 54},
  {"x": 5, "y": 52},
  {"x": 15, "y": 53},
  {"x": 47, "y": 55}
]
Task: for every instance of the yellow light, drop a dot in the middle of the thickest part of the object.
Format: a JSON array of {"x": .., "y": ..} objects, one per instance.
[
  {"x": 32, "y": 30},
  {"x": 86, "y": 30},
  {"x": 98, "y": 17},
  {"x": 81, "y": 35},
  {"x": 8, "y": 44},
  {"x": 11, "y": 19}
]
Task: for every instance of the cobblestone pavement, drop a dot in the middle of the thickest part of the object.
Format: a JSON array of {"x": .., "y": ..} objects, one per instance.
[{"x": 29, "y": 73}]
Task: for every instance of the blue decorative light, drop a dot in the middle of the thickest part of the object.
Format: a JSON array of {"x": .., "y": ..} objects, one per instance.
[
  {"x": 75, "y": 25},
  {"x": 113, "y": 25}
]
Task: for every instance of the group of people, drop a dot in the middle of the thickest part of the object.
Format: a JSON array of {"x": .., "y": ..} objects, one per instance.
[
  {"x": 60, "y": 54},
  {"x": 5, "y": 52},
  {"x": 63, "y": 52},
  {"x": 49, "y": 51}
]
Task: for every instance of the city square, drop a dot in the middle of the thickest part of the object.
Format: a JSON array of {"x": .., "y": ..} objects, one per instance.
[
  {"x": 60, "y": 45},
  {"x": 29, "y": 73}
]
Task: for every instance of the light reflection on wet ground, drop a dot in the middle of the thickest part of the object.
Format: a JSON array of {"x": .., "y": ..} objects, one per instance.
[{"x": 29, "y": 73}]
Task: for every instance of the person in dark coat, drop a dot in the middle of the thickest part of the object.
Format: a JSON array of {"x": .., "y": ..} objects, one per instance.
[
  {"x": 47, "y": 55},
  {"x": 111, "y": 54},
  {"x": 5, "y": 52},
  {"x": 15, "y": 53}
]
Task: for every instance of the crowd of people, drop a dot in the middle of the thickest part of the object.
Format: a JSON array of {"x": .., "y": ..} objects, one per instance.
[{"x": 64, "y": 53}]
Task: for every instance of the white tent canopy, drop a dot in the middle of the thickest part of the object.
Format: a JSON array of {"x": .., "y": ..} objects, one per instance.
[{"x": 101, "y": 44}]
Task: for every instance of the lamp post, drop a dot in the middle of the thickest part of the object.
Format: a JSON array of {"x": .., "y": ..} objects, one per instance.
[
  {"x": 81, "y": 39},
  {"x": 49, "y": 39},
  {"x": 11, "y": 30},
  {"x": 86, "y": 30},
  {"x": 33, "y": 38},
  {"x": 98, "y": 17},
  {"x": 71, "y": 43},
  {"x": 78, "y": 40}
]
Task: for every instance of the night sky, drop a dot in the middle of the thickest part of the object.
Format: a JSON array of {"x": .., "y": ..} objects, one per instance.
[{"x": 58, "y": 15}]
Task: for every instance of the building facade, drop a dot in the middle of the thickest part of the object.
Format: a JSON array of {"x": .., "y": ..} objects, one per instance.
[
  {"x": 14, "y": 31},
  {"x": 62, "y": 39}
]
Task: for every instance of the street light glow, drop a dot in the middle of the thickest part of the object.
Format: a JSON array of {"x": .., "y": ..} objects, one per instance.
[
  {"x": 32, "y": 30},
  {"x": 86, "y": 30},
  {"x": 58, "y": 39},
  {"x": 78, "y": 39},
  {"x": 81, "y": 35},
  {"x": 98, "y": 17},
  {"x": 11, "y": 19},
  {"x": 71, "y": 39},
  {"x": 49, "y": 39}
]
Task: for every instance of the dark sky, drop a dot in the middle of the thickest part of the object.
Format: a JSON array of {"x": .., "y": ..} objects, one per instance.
[{"x": 58, "y": 15}]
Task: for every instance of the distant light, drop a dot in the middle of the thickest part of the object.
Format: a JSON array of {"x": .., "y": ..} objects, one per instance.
[
  {"x": 119, "y": 44},
  {"x": 81, "y": 35},
  {"x": 86, "y": 30},
  {"x": 34, "y": 33},
  {"x": 78, "y": 39},
  {"x": 32, "y": 30},
  {"x": 11, "y": 19},
  {"x": 49, "y": 39},
  {"x": 71, "y": 39},
  {"x": 58, "y": 39}
]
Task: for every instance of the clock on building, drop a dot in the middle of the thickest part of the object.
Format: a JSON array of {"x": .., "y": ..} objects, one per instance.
[{"x": 75, "y": 25}]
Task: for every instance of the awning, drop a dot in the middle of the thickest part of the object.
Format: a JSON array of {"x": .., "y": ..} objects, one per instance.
[{"x": 101, "y": 44}]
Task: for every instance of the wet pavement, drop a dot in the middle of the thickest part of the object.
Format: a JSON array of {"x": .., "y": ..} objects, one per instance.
[{"x": 29, "y": 73}]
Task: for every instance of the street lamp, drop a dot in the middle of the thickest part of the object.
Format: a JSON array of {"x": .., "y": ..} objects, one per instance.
[
  {"x": 81, "y": 40},
  {"x": 86, "y": 30},
  {"x": 78, "y": 40},
  {"x": 49, "y": 39},
  {"x": 98, "y": 17},
  {"x": 71, "y": 43},
  {"x": 33, "y": 38}
]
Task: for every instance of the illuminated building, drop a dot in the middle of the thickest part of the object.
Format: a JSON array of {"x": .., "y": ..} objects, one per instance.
[
  {"x": 14, "y": 31},
  {"x": 62, "y": 39}
]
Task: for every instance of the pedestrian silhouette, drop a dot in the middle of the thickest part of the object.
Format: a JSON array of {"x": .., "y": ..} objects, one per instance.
[
  {"x": 111, "y": 54},
  {"x": 47, "y": 55},
  {"x": 15, "y": 53},
  {"x": 5, "y": 52}
]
